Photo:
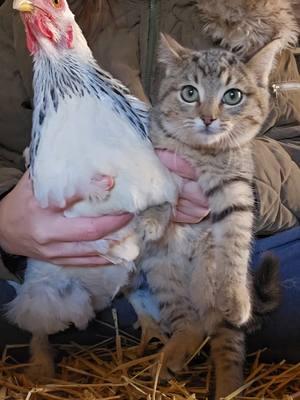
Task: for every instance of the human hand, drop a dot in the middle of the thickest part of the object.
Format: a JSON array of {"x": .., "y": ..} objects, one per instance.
[
  {"x": 192, "y": 205},
  {"x": 28, "y": 230}
]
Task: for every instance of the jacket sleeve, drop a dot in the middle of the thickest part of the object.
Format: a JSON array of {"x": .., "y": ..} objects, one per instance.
[
  {"x": 15, "y": 112},
  {"x": 277, "y": 179},
  {"x": 277, "y": 155},
  {"x": 277, "y": 187},
  {"x": 9, "y": 177},
  {"x": 15, "y": 104}
]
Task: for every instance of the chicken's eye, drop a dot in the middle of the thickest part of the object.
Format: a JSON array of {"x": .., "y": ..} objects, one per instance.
[{"x": 57, "y": 3}]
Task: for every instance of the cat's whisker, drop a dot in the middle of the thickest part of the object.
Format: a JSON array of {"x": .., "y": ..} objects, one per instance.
[
  {"x": 232, "y": 140},
  {"x": 189, "y": 124}
]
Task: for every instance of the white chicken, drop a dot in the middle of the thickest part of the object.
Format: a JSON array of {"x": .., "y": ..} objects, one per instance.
[{"x": 85, "y": 124}]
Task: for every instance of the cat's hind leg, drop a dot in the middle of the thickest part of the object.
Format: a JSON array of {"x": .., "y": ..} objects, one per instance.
[
  {"x": 178, "y": 351},
  {"x": 148, "y": 313},
  {"x": 228, "y": 355},
  {"x": 181, "y": 321},
  {"x": 169, "y": 280},
  {"x": 150, "y": 330}
]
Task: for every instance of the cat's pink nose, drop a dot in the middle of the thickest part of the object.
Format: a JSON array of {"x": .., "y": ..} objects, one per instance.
[{"x": 208, "y": 120}]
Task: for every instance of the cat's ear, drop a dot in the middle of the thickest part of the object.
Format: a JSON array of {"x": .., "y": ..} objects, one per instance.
[
  {"x": 263, "y": 61},
  {"x": 170, "y": 52}
]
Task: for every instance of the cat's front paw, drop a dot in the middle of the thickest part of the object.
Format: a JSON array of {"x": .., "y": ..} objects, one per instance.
[
  {"x": 119, "y": 247},
  {"x": 153, "y": 222},
  {"x": 235, "y": 305}
]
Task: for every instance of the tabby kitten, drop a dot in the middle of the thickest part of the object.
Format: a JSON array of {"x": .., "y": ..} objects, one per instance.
[{"x": 210, "y": 107}]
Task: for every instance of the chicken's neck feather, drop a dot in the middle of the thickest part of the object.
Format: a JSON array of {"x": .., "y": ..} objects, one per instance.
[{"x": 76, "y": 73}]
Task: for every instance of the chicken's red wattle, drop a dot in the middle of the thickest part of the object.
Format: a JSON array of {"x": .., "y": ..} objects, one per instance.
[
  {"x": 30, "y": 38},
  {"x": 37, "y": 25}
]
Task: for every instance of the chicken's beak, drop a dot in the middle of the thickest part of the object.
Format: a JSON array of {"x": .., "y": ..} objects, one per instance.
[{"x": 23, "y": 5}]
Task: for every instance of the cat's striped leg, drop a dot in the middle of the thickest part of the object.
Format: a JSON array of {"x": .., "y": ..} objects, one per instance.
[
  {"x": 181, "y": 321},
  {"x": 168, "y": 280},
  {"x": 147, "y": 309},
  {"x": 227, "y": 351}
]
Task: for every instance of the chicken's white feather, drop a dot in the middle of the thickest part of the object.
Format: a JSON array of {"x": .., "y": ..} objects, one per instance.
[{"x": 53, "y": 297}]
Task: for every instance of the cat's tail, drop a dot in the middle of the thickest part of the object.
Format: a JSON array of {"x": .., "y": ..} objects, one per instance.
[{"x": 267, "y": 292}]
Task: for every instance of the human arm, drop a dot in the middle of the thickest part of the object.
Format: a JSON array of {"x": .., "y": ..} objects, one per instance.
[{"x": 29, "y": 230}]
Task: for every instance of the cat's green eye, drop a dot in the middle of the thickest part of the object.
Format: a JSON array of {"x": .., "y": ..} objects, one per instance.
[
  {"x": 232, "y": 97},
  {"x": 189, "y": 94}
]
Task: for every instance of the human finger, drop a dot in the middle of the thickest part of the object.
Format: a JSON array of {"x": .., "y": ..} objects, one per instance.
[
  {"x": 85, "y": 229},
  {"x": 81, "y": 262},
  {"x": 176, "y": 164},
  {"x": 180, "y": 217},
  {"x": 70, "y": 250},
  {"x": 192, "y": 191},
  {"x": 189, "y": 208}
]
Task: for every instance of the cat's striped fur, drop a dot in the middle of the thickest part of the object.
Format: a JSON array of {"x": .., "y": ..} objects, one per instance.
[{"x": 199, "y": 273}]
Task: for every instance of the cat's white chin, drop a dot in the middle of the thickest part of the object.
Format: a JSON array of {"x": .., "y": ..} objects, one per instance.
[
  {"x": 208, "y": 134},
  {"x": 207, "y": 138}
]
